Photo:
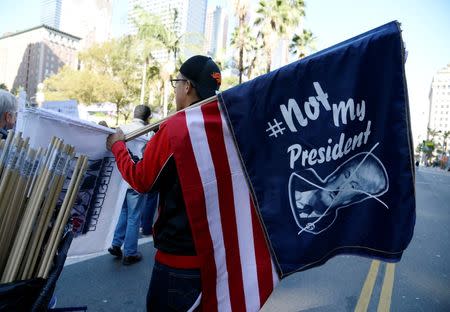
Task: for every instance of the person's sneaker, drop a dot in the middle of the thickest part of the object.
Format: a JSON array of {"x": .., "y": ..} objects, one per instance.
[
  {"x": 115, "y": 251},
  {"x": 127, "y": 260}
]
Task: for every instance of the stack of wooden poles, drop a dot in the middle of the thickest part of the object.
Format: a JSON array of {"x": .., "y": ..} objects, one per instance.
[{"x": 31, "y": 222}]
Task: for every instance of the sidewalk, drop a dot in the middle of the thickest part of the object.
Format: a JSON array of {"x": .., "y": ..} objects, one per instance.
[{"x": 102, "y": 283}]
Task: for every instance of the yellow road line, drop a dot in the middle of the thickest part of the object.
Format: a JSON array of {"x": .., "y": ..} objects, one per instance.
[
  {"x": 366, "y": 292},
  {"x": 386, "y": 292}
]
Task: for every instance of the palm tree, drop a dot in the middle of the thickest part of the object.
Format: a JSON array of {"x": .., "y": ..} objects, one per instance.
[
  {"x": 432, "y": 133},
  {"x": 148, "y": 39},
  {"x": 445, "y": 136},
  {"x": 276, "y": 18},
  {"x": 241, "y": 33},
  {"x": 154, "y": 36},
  {"x": 244, "y": 41},
  {"x": 300, "y": 44}
]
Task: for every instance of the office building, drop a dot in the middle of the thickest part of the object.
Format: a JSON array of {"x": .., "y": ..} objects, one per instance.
[
  {"x": 91, "y": 20},
  {"x": 216, "y": 31},
  {"x": 51, "y": 13},
  {"x": 439, "y": 96},
  {"x": 29, "y": 56},
  {"x": 185, "y": 17}
]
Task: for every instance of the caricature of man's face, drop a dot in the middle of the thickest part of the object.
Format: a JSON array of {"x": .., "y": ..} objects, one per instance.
[
  {"x": 315, "y": 203},
  {"x": 348, "y": 186}
]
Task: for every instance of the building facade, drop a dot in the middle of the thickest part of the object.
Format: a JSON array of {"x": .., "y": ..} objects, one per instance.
[
  {"x": 439, "y": 96},
  {"x": 91, "y": 20},
  {"x": 216, "y": 32},
  {"x": 28, "y": 57},
  {"x": 185, "y": 17},
  {"x": 51, "y": 13}
]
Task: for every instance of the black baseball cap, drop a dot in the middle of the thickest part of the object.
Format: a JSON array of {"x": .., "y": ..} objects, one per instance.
[{"x": 204, "y": 75}]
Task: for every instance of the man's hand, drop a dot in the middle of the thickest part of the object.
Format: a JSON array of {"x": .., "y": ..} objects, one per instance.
[{"x": 113, "y": 138}]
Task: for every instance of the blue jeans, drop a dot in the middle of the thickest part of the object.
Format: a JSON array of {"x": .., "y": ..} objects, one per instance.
[
  {"x": 127, "y": 228},
  {"x": 173, "y": 289}
]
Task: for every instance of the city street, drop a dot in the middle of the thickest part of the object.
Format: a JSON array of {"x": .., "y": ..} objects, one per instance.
[{"x": 420, "y": 282}]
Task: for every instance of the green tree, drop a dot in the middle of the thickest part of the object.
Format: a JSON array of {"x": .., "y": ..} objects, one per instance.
[
  {"x": 117, "y": 60},
  {"x": 229, "y": 82},
  {"x": 432, "y": 133},
  {"x": 301, "y": 44},
  {"x": 445, "y": 136},
  {"x": 109, "y": 73},
  {"x": 3, "y": 86},
  {"x": 153, "y": 36},
  {"x": 428, "y": 148},
  {"x": 275, "y": 19},
  {"x": 239, "y": 38},
  {"x": 85, "y": 86},
  {"x": 148, "y": 39}
]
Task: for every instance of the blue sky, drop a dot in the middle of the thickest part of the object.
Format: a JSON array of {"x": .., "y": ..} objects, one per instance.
[{"x": 425, "y": 25}]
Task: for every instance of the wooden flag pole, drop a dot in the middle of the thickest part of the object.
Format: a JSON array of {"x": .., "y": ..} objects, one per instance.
[
  {"x": 42, "y": 164},
  {"x": 5, "y": 185},
  {"x": 23, "y": 236},
  {"x": 49, "y": 208},
  {"x": 37, "y": 163},
  {"x": 7, "y": 203},
  {"x": 5, "y": 151},
  {"x": 2, "y": 146},
  {"x": 13, "y": 167},
  {"x": 46, "y": 210},
  {"x": 39, "y": 213},
  {"x": 18, "y": 204},
  {"x": 146, "y": 129},
  {"x": 59, "y": 218},
  {"x": 67, "y": 206}
]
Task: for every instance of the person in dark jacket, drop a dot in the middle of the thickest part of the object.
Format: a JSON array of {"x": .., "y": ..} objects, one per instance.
[{"x": 175, "y": 284}]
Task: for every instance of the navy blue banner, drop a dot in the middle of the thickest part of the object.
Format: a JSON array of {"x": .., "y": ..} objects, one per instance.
[{"x": 326, "y": 146}]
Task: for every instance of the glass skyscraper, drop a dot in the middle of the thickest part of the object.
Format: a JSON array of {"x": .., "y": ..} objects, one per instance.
[{"x": 51, "y": 13}]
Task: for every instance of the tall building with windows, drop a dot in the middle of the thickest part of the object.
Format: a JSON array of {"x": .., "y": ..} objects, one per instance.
[
  {"x": 439, "y": 96},
  {"x": 29, "y": 56},
  {"x": 216, "y": 31},
  {"x": 185, "y": 17},
  {"x": 51, "y": 13},
  {"x": 91, "y": 20},
  {"x": 133, "y": 6}
]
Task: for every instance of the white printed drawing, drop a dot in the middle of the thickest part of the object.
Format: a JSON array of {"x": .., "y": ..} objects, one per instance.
[{"x": 315, "y": 202}]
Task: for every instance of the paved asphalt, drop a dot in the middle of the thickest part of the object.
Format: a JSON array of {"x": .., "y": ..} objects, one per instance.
[{"x": 420, "y": 282}]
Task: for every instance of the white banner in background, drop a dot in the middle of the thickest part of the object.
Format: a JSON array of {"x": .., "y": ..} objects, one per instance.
[
  {"x": 102, "y": 192},
  {"x": 68, "y": 107}
]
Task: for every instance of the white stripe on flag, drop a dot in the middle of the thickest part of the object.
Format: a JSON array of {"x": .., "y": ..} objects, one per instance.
[
  {"x": 275, "y": 277},
  {"x": 243, "y": 219},
  {"x": 197, "y": 133}
]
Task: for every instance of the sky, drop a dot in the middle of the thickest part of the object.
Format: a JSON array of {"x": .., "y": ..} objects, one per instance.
[{"x": 425, "y": 26}]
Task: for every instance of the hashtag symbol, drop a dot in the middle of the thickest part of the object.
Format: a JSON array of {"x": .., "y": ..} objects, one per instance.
[{"x": 275, "y": 128}]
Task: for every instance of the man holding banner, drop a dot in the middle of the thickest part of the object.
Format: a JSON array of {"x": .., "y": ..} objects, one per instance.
[{"x": 176, "y": 264}]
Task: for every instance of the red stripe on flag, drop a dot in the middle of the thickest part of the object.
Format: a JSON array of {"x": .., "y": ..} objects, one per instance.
[
  {"x": 263, "y": 259},
  {"x": 194, "y": 197},
  {"x": 213, "y": 128}
]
